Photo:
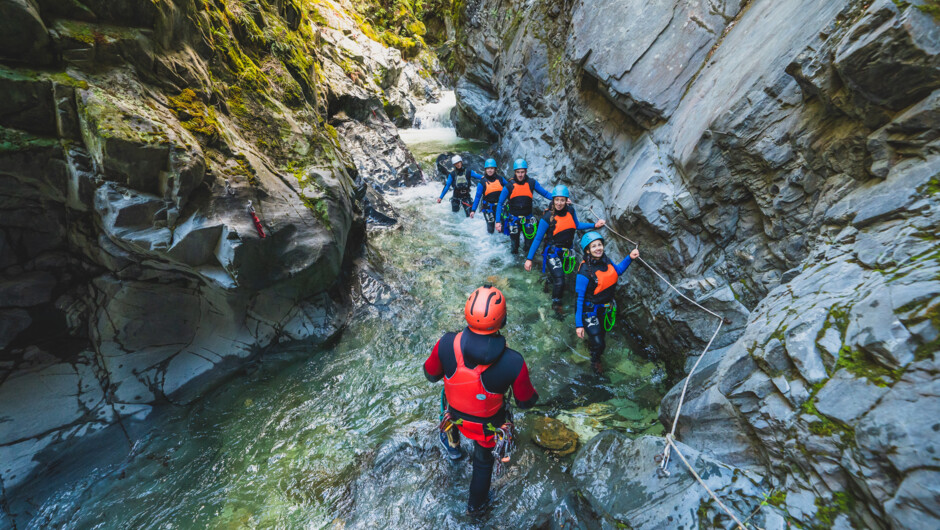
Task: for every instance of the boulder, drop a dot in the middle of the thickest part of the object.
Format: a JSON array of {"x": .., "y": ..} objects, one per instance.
[
  {"x": 23, "y": 36},
  {"x": 553, "y": 435}
]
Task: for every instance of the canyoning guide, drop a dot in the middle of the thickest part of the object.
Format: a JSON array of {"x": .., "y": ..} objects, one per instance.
[
  {"x": 557, "y": 228},
  {"x": 459, "y": 178},
  {"x": 518, "y": 213},
  {"x": 595, "y": 285},
  {"x": 478, "y": 369},
  {"x": 487, "y": 195}
]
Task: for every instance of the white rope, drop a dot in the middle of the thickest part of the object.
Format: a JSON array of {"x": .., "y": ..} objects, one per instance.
[{"x": 672, "y": 445}]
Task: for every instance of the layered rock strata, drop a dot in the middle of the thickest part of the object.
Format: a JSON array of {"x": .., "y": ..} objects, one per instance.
[
  {"x": 778, "y": 161},
  {"x": 137, "y": 135}
]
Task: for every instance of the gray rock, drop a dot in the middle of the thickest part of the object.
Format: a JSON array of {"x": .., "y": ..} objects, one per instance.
[
  {"x": 12, "y": 322},
  {"x": 846, "y": 398},
  {"x": 23, "y": 36},
  {"x": 619, "y": 477},
  {"x": 874, "y": 328},
  {"x": 915, "y": 505},
  {"x": 645, "y": 63},
  {"x": 27, "y": 290},
  {"x": 902, "y": 427},
  {"x": 906, "y": 44}
]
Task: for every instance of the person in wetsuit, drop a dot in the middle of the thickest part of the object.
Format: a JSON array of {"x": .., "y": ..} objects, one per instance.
[
  {"x": 557, "y": 227},
  {"x": 518, "y": 193},
  {"x": 460, "y": 179},
  {"x": 478, "y": 369},
  {"x": 487, "y": 196},
  {"x": 595, "y": 286}
]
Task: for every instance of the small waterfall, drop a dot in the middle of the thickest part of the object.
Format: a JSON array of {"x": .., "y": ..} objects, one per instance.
[
  {"x": 436, "y": 115},
  {"x": 433, "y": 123}
]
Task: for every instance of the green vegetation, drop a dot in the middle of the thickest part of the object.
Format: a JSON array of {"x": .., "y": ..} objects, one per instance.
[
  {"x": 860, "y": 364},
  {"x": 195, "y": 116},
  {"x": 829, "y": 510},
  {"x": 825, "y": 426}
]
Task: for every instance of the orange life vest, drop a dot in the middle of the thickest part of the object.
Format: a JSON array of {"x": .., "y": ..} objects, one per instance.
[
  {"x": 603, "y": 278},
  {"x": 492, "y": 190}
]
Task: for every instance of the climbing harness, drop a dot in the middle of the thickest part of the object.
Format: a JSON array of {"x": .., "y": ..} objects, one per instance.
[
  {"x": 569, "y": 261},
  {"x": 505, "y": 444},
  {"x": 610, "y": 313},
  {"x": 610, "y": 316},
  {"x": 528, "y": 228},
  {"x": 254, "y": 218},
  {"x": 671, "y": 446},
  {"x": 447, "y": 424}
]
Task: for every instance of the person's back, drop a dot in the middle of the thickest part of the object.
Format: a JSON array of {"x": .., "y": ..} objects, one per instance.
[{"x": 478, "y": 369}]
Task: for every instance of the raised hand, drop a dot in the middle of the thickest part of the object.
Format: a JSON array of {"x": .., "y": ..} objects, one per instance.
[
  {"x": 635, "y": 253},
  {"x": 600, "y": 223}
]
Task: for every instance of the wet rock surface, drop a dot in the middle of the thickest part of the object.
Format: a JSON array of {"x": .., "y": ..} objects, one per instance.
[
  {"x": 553, "y": 435},
  {"x": 136, "y": 140},
  {"x": 790, "y": 188}
]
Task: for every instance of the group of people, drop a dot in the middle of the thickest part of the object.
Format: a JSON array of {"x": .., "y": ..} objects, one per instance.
[{"x": 477, "y": 367}]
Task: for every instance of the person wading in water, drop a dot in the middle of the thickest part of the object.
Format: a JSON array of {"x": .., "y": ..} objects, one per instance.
[{"x": 478, "y": 369}]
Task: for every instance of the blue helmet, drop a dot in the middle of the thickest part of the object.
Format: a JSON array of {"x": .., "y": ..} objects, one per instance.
[
  {"x": 560, "y": 191},
  {"x": 519, "y": 164},
  {"x": 489, "y": 163},
  {"x": 589, "y": 238}
]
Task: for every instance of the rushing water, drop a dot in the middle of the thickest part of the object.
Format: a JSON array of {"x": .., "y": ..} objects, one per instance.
[
  {"x": 434, "y": 132},
  {"x": 346, "y": 436}
]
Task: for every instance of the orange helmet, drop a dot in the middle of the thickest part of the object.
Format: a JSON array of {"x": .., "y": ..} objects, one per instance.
[{"x": 485, "y": 310}]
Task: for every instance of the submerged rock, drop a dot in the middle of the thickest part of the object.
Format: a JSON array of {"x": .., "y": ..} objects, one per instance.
[{"x": 553, "y": 435}]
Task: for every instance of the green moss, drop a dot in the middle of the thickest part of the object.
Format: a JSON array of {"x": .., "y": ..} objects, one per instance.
[
  {"x": 931, "y": 7},
  {"x": 829, "y": 510},
  {"x": 12, "y": 140},
  {"x": 195, "y": 116},
  {"x": 858, "y": 363},
  {"x": 778, "y": 498}
]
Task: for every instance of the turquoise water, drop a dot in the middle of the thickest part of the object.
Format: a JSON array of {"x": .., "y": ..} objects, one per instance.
[{"x": 346, "y": 437}]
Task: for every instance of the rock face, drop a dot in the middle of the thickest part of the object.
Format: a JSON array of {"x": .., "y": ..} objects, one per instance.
[
  {"x": 778, "y": 161},
  {"x": 135, "y": 139}
]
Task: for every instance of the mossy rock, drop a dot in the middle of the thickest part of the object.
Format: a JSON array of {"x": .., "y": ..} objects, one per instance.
[{"x": 555, "y": 436}]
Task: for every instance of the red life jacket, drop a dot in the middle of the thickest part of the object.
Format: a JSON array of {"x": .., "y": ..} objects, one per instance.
[{"x": 465, "y": 393}]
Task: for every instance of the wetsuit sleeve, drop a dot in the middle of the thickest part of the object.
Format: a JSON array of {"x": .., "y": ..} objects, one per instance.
[
  {"x": 578, "y": 224},
  {"x": 499, "y": 207},
  {"x": 580, "y": 287},
  {"x": 543, "y": 227},
  {"x": 433, "y": 369},
  {"x": 541, "y": 191},
  {"x": 477, "y": 197},
  {"x": 622, "y": 266},
  {"x": 475, "y": 175},
  {"x": 522, "y": 389},
  {"x": 450, "y": 180}
]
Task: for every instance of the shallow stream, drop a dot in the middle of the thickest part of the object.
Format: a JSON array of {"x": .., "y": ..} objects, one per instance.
[{"x": 346, "y": 437}]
